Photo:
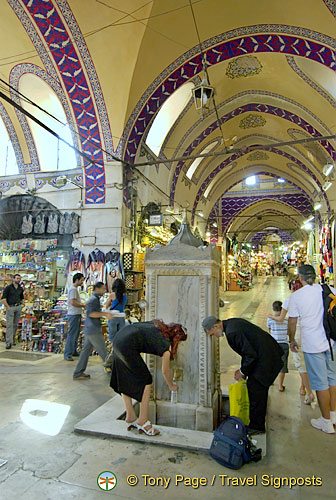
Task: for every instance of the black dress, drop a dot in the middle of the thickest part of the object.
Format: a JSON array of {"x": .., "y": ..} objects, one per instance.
[{"x": 130, "y": 374}]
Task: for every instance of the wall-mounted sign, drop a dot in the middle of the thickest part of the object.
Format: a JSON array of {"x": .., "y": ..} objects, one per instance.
[{"x": 155, "y": 220}]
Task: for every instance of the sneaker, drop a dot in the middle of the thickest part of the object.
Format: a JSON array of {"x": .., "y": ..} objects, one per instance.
[
  {"x": 333, "y": 417},
  {"x": 327, "y": 427},
  {"x": 8, "y": 346},
  {"x": 107, "y": 369},
  {"x": 82, "y": 376},
  {"x": 68, "y": 358}
]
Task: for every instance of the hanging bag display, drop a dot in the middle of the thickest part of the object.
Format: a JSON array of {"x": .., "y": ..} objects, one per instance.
[{"x": 239, "y": 401}]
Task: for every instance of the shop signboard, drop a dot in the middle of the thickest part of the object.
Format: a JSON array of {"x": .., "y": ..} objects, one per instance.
[{"x": 155, "y": 220}]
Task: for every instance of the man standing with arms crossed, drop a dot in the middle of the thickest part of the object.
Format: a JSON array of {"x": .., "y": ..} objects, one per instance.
[
  {"x": 12, "y": 298},
  {"x": 75, "y": 307}
]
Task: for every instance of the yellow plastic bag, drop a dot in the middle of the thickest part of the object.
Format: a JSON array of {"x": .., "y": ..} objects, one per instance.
[{"x": 239, "y": 401}]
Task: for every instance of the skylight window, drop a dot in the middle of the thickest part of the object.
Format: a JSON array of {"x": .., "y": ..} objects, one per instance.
[
  {"x": 250, "y": 181},
  {"x": 195, "y": 163},
  {"x": 8, "y": 165},
  {"x": 167, "y": 116},
  {"x": 53, "y": 154}
]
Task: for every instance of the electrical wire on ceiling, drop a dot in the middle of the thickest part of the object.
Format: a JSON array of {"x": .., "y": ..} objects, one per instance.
[
  {"x": 207, "y": 74},
  {"x": 32, "y": 53},
  {"x": 29, "y": 101},
  {"x": 246, "y": 149}
]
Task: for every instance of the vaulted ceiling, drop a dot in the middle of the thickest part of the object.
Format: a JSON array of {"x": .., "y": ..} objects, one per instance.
[{"x": 114, "y": 64}]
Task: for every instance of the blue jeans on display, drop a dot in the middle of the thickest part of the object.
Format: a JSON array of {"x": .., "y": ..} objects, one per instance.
[
  {"x": 72, "y": 335},
  {"x": 114, "y": 325}
]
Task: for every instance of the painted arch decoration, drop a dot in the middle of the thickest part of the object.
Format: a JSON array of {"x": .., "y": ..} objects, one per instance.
[
  {"x": 234, "y": 157},
  {"x": 49, "y": 25},
  {"x": 261, "y": 108},
  {"x": 273, "y": 38},
  {"x": 264, "y": 214},
  {"x": 261, "y": 235},
  {"x": 233, "y": 205}
]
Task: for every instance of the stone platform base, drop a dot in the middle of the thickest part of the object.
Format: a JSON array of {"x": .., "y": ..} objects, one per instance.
[{"x": 107, "y": 421}]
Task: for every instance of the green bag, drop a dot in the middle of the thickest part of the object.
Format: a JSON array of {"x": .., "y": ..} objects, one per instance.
[{"x": 239, "y": 401}]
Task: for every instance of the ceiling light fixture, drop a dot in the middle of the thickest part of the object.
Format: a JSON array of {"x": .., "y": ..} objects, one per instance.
[
  {"x": 203, "y": 93},
  {"x": 317, "y": 205},
  {"x": 281, "y": 180},
  {"x": 326, "y": 185},
  {"x": 327, "y": 169},
  {"x": 309, "y": 220},
  {"x": 307, "y": 227}
]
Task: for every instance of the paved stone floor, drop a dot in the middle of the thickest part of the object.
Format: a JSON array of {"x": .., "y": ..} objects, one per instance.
[{"x": 66, "y": 465}]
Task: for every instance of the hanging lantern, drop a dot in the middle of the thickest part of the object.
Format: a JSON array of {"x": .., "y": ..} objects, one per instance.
[{"x": 203, "y": 94}]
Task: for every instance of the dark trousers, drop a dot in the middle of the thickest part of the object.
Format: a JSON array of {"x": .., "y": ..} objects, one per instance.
[{"x": 258, "y": 395}]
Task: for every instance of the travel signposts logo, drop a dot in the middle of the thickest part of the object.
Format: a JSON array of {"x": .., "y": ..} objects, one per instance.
[{"x": 107, "y": 480}]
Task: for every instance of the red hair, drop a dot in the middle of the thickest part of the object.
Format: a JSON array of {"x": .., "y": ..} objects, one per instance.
[{"x": 174, "y": 332}]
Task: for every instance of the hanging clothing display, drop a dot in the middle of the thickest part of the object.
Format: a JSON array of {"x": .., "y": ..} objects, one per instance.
[
  {"x": 113, "y": 268},
  {"x": 61, "y": 228},
  {"x": 52, "y": 226},
  {"x": 75, "y": 264},
  {"x": 27, "y": 224},
  {"x": 74, "y": 223},
  {"x": 326, "y": 264},
  {"x": 95, "y": 267},
  {"x": 39, "y": 226},
  {"x": 310, "y": 248},
  {"x": 67, "y": 223}
]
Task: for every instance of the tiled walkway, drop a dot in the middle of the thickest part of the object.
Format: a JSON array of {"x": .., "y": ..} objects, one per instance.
[{"x": 67, "y": 465}]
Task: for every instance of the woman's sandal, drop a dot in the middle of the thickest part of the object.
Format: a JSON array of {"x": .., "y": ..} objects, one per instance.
[
  {"x": 149, "y": 432},
  {"x": 309, "y": 399},
  {"x": 131, "y": 425}
]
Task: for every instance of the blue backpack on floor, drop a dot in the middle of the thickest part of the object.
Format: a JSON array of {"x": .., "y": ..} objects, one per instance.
[{"x": 231, "y": 445}]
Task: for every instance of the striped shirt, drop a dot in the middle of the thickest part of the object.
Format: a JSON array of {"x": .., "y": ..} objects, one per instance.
[{"x": 278, "y": 330}]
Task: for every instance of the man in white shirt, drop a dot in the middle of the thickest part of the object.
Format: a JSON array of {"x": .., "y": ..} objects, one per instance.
[
  {"x": 307, "y": 304},
  {"x": 75, "y": 307}
]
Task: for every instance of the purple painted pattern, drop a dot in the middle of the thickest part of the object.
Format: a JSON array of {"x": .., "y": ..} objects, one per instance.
[
  {"x": 232, "y": 206},
  {"x": 71, "y": 71},
  {"x": 234, "y": 157},
  {"x": 262, "y": 108},
  {"x": 282, "y": 43},
  {"x": 260, "y": 236}
]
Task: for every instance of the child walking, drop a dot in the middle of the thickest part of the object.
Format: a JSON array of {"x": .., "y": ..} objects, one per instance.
[{"x": 279, "y": 333}]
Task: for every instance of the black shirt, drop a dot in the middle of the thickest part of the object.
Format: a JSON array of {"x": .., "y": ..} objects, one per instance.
[
  {"x": 12, "y": 294},
  {"x": 261, "y": 354}
]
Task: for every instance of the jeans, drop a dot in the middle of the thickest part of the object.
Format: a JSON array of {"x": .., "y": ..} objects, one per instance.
[
  {"x": 114, "y": 325},
  {"x": 92, "y": 341},
  {"x": 72, "y": 335},
  {"x": 12, "y": 321}
]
